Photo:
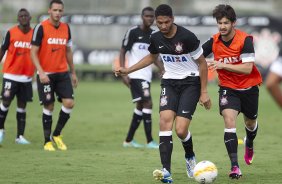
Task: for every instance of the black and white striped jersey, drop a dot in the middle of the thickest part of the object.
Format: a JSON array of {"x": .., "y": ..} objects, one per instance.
[
  {"x": 178, "y": 53},
  {"x": 136, "y": 42}
]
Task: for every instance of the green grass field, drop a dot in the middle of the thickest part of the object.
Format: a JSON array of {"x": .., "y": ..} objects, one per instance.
[{"x": 98, "y": 126}]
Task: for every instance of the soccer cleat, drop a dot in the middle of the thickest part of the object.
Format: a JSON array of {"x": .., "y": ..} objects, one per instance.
[
  {"x": 49, "y": 146},
  {"x": 162, "y": 175},
  {"x": 132, "y": 144},
  {"x": 152, "y": 145},
  {"x": 249, "y": 155},
  {"x": 59, "y": 142},
  {"x": 190, "y": 165},
  {"x": 235, "y": 173},
  {"x": 22, "y": 140},
  {"x": 2, "y": 133}
]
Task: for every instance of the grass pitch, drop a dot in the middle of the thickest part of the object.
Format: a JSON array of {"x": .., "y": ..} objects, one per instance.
[{"x": 98, "y": 126}]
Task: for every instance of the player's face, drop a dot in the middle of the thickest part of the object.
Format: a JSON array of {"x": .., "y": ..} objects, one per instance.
[
  {"x": 225, "y": 26},
  {"x": 165, "y": 24},
  {"x": 56, "y": 12},
  {"x": 24, "y": 18},
  {"x": 148, "y": 17}
]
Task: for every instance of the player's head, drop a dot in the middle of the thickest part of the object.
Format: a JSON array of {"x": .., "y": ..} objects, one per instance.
[
  {"x": 148, "y": 16},
  {"x": 56, "y": 10},
  {"x": 225, "y": 17},
  {"x": 164, "y": 18},
  {"x": 24, "y": 17}
]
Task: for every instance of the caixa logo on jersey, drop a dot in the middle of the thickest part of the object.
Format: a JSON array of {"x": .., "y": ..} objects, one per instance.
[
  {"x": 21, "y": 44},
  {"x": 174, "y": 58},
  {"x": 233, "y": 59}
]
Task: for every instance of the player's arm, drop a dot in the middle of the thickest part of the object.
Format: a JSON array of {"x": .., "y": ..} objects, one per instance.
[
  {"x": 203, "y": 69},
  {"x": 146, "y": 61},
  {"x": 35, "y": 46},
  {"x": 5, "y": 45},
  {"x": 273, "y": 85},
  {"x": 125, "y": 79},
  {"x": 196, "y": 52},
  {"x": 159, "y": 64},
  {"x": 248, "y": 59},
  {"x": 69, "y": 56},
  {"x": 273, "y": 81}
]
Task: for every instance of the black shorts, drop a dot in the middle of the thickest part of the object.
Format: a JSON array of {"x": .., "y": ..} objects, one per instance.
[
  {"x": 23, "y": 90},
  {"x": 245, "y": 101},
  {"x": 140, "y": 90},
  {"x": 180, "y": 95},
  {"x": 60, "y": 84}
]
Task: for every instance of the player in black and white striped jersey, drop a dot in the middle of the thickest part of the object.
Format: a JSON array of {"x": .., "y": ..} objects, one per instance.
[
  {"x": 184, "y": 84},
  {"x": 135, "y": 44}
]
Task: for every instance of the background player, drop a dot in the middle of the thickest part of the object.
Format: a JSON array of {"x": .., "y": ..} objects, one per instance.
[
  {"x": 135, "y": 43},
  {"x": 52, "y": 55},
  {"x": 274, "y": 79},
  {"x": 18, "y": 71}
]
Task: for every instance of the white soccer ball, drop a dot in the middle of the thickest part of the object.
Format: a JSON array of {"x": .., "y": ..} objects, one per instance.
[{"x": 205, "y": 172}]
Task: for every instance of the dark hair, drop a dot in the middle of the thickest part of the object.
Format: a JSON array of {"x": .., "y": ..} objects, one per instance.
[
  {"x": 148, "y": 8},
  {"x": 55, "y": 1},
  {"x": 163, "y": 10},
  {"x": 224, "y": 10},
  {"x": 23, "y": 9}
]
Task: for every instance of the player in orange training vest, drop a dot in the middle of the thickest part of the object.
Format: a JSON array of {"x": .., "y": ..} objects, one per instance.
[
  {"x": 17, "y": 73},
  {"x": 234, "y": 61}
]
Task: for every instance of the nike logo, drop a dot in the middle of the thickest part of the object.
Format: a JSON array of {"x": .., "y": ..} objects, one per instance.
[
  {"x": 170, "y": 142},
  {"x": 229, "y": 140},
  {"x": 20, "y": 53},
  {"x": 140, "y": 37},
  {"x": 185, "y": 112},
  {"x": 161, "y": 46},
  {"x": 255, "y": 116},
  {"x": 55, "y": 49}
]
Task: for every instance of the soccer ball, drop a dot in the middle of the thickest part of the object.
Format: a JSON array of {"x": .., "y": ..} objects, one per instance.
[{"x": 205, "y": 172}]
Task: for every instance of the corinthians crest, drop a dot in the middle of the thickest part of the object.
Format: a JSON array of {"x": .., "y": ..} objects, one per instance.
[{"x": 178, "y": 47}]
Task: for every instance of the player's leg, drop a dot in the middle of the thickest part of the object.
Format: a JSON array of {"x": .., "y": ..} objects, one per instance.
[
  {"x": 230, "y": 106},
  {"x": 250, "y": 110},
  {"x": 65, "y": 94},
  {"x": 136, "y": 94},
  {"x": 165, "y": 146},
  {"x": 24, "y": 95},
  {"x": 168, "y": 105},
  {"x": 145, "y": 89},
  {"x": 9, "y": 89},
  {"x": 47, "y": 99},
  {"x": 134, "y": 124},
  {"x": 186, "y": 108}
]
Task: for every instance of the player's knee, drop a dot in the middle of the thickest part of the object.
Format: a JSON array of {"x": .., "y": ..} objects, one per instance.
[
  {"x": 148, "y": 104},
  {"x": 68, "y": 104},
  {"x": 181, "y": 132}
]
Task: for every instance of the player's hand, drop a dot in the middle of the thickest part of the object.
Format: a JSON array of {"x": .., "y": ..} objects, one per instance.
[
  {"x": 121, "y": 71},
  {"x": 126, "y": 80},
  {"x": 44, "y": 79},
  {"x": 74, "y": 80},
  {"x": 205, "y": 100},
  {"x": 214, "y": 65}
]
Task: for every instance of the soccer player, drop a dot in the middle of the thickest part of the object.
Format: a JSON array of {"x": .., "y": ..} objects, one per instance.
[
  {"x": 18, "y": 70},
  {"x": 274, "y": 79},
  {"x": 183, "y": 84},
  {"x": 52, "y": 55},
  {"x": 234, "y": 61},
  {"x": 135, "y": 43}
]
